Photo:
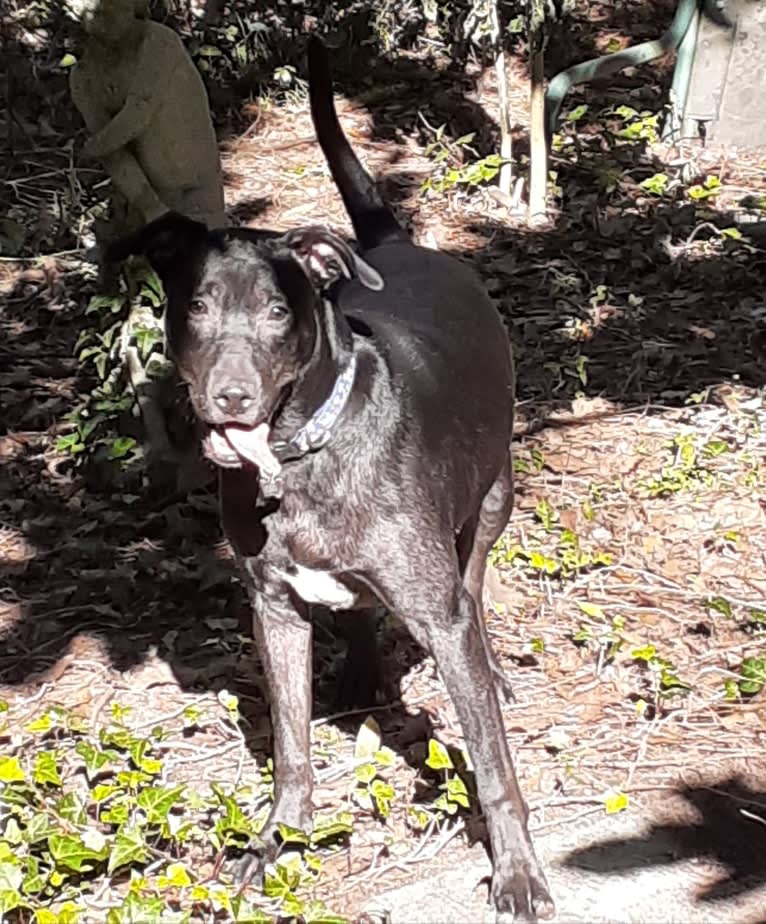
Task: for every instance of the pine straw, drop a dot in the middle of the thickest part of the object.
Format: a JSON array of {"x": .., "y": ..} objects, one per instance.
[{"x": 574, "y": 728}]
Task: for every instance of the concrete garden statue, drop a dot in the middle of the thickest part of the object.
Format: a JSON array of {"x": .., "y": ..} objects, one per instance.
[{"x": 145, "y": 106}]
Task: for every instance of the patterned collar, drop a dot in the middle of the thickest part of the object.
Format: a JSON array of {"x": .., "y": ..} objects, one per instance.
[{"x": 316, "y": 432}]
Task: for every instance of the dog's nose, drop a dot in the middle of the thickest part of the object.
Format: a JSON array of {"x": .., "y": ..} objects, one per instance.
[{"x": 234, "y": 399}]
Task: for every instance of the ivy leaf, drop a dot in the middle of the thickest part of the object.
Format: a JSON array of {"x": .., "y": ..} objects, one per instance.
[
  {"x": 46, "y": 769},
  {"x": 129, "y": 847},
  {"x": 574, "y": 115},
  {"x": 157, "y": 801},
  {"x": 438, "y": 757},
  {"x": 94, "y": 758},
  {"x": 242, "y": 910},
  {"x": 592, "y": 610},
  {"x": 644, "y": 654},
  {"x": 330, "y": 828},
  {"x": 38, "y": 828},
  {"x": 291, "y": 835},
  {"x": 10, "y": 770},
  {"x": 365, "y": 773},
  {"x": 139, "y": 909},
  {"x": 69, "y": 851},
  {"x": 615, "y": 801},
  {"x": 43, "y": 724},
  {"x": 175, "y": 876},
  {"x": 753, "y": 672},
  {"x": 11, "y": 877}
]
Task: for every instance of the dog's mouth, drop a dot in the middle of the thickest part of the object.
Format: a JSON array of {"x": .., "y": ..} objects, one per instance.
[{"x": 231, "y": 446}]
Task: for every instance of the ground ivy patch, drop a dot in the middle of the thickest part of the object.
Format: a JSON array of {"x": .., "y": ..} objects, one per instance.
[{"x": 90, "y": 818}]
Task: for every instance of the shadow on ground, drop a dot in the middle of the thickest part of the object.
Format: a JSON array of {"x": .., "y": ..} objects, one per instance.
[{"x": 729, "y": 830}]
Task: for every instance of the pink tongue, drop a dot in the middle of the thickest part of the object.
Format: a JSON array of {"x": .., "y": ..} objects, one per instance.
[{"x": 253, "y": 445}]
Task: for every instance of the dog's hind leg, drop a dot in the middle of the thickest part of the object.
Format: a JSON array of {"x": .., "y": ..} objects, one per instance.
[
  {"x": 493, "y": 517},
  {"x": 443, "y": 617}
]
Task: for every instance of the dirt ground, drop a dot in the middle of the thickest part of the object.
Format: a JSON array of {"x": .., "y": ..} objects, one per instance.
[{"x": 640, "y": 518}]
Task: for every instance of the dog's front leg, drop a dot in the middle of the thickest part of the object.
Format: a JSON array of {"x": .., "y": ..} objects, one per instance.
[
  {"x": 456, "y": 643},
  {"x": 283, "y": 637}
]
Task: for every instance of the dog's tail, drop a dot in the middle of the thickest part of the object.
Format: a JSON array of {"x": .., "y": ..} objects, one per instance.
[{"x": 373, "y": 221}]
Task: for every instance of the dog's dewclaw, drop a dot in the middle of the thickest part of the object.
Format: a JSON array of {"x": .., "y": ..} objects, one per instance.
[{"x": 253, "y": 445}]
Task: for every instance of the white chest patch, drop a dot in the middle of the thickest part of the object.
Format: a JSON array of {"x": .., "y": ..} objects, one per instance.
[{"x": 320, "y": 587}]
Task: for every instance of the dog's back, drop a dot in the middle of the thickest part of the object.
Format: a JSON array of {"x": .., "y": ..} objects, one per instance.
[{"x": 433, "y": 320}]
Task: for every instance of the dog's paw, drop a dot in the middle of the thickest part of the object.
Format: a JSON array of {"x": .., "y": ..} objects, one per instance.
[{"x": 522, "y": 896}]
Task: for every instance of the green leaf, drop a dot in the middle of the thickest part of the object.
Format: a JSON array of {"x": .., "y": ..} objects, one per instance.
[
  {"x": 68, "y": 61},
  {"x": 99, "y": 302},
  {"x": 382, "y": 790},
  {"x": 331, "y": 828},
  {"x": 38, "y": 828},
  {"x": 69, "y": 852},
  {"x": 129, "y": 847},
  {"x": 46, "y": 769},
  {"x": 456, "y": 791},
  {"x": 93, "y": 757},
  {"x": 11, "y": 877},
  {"x": 243, "y": 911},
  {"x": 644, "y": 654},
  {"x": 592, "y": 610},
  {"x": 656, "y": 184},
  {"x": 175, "y": 876},
  {"x": 10, "y": 770},
  {"x": 734, "y": 233},
  {"x": 315, "y": 912},
  {"x": 140, "y": 909},
  {"x": 69, "y": 913},
  {"x": 365, "y": 773},
  {"x": 12, "y": 833},
  {"x": 574, "y": 115},
  {"x": 292, "y": 835},
  {"x": 385, "y": 757},
  {"x": 103, "y": 791},
  {"x": 719, "y": 605},
  {"x": 438, "y": 756},
  {"x": 157, "y": 801},
  {"x": 120, "y": 447},
  {"x": 753, "y": 671},
  {"x": 615, "y": 801},
  {"x": 715, "y": 447},
  {"x": 545, "y": 513}
]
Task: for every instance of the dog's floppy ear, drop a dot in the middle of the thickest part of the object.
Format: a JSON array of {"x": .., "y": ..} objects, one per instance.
[
  {"x": 164, "y": 242},
  {"x": 325, "y": 258}
]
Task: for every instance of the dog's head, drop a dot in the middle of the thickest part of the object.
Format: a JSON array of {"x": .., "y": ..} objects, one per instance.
[{"x": 242, "y": 317}]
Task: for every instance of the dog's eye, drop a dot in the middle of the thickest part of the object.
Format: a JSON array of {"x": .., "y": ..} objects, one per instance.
[
  {"x": 278, "y": 311},
  {"x": 197, "y": 307}
]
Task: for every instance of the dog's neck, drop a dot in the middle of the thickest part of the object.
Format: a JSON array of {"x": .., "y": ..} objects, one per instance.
[{"x": 319, "y": 396}]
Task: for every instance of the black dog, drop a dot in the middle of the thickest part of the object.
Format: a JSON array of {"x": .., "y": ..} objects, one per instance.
[{"x": 364, "y": 450}]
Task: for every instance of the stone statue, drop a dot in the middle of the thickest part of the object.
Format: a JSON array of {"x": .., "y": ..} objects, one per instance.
[{"x": 145, "y": 106}]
